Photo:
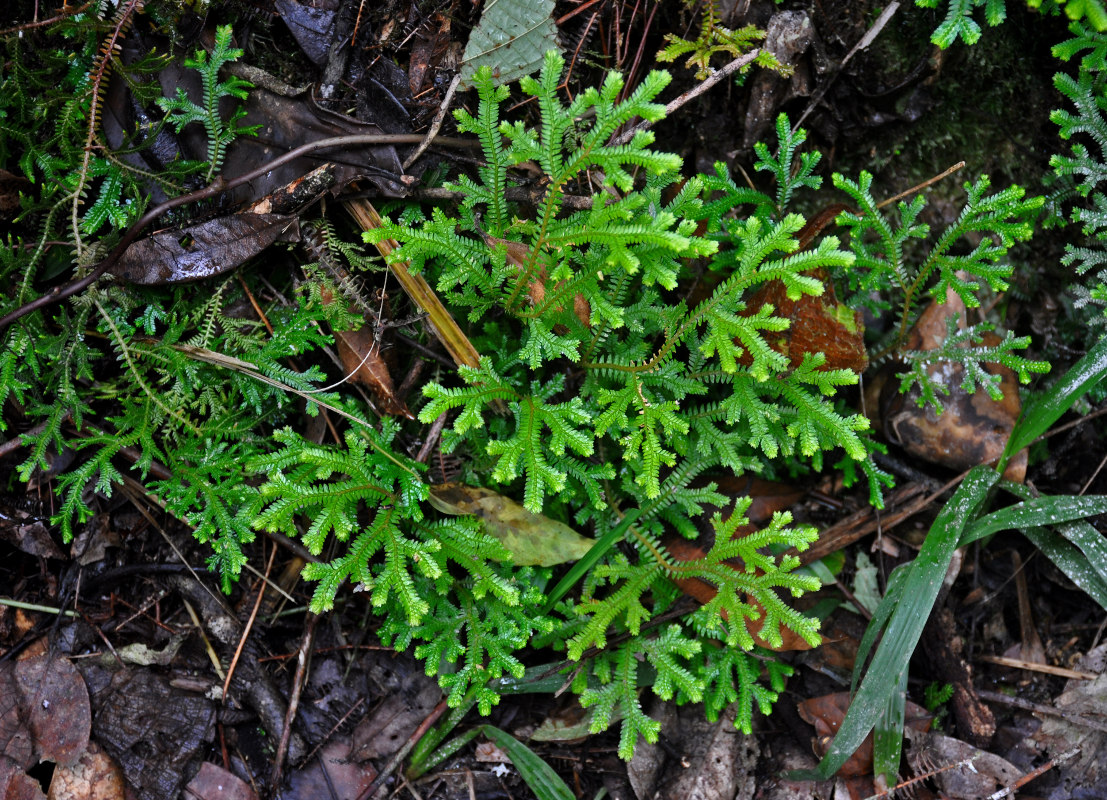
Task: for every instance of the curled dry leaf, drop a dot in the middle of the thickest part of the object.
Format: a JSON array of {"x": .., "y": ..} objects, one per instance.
[
  {"x": 204, "y": 250},
  {"x": 360, "y": 354},
  {"x": 972, "y": 428},
  {"x": 532, "y": 539}
]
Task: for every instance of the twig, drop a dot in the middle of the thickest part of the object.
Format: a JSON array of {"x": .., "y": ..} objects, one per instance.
[
  {"x": 865, "y": 41},
  {"x": 246, "y": 630},
  {"x": 327, "y": 736},
  {"x": 1030, "y": 666},
  {"x": 691, "y": 94},
  {"x": 397, "y": 759},
  {"x": 920, "y": 186},
  {"x": 1034, "y": 773},
  {"x": 63, "y": 14},
  {"x": 212, "y": 655},
  {"x": 16, "y": 442},
  {"x": 293, "y": 700},
  {"x": 1038, "y": 708},
  {"x": 219, "y": 185},
  {"x": 432, "y": 438},
  {"x": 436, "y": 123}
]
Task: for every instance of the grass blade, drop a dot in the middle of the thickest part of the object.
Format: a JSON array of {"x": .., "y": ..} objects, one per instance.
[
  {"x": 1071, "y": 561},
  {"x": 1049, "y": 510},
  {"x": 537, "y": 774},
  {"x": 905, "y": 626},
  {"x": 1045, "y": 409},
  {"x": 888, "y": 734}
]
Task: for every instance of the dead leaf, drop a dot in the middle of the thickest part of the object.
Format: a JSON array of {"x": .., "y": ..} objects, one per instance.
[
  {"x": 93, "y": 776},
  {"x": 55, "y": 707},
  {"x": 430, "y": 45},
  {"x": 489, "y": 753},
  {"x": 972, "y": 429},
  {"x": 27, "y": 533},
  {"x": 826, "y": 714},
  {"x": 213, "y": 782},
  {"x": 532, "y": 539},
  {"x": 333, "y": 774},
  {"x": 819, "y": 324},
  {"x": 361, "y": 357},
  {"x": 963, "y": 772},
  {"x": 312, "y": 26},
  {"x": 204, "y": 250},
  {"x": 570, "y": 722},
  {"x": 15, "y": 784}
]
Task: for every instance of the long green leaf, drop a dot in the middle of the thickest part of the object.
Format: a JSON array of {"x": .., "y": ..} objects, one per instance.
[
  {"x": 920, "y": 589},
  {"x": 1045, "y": 409},
  {"x": 537, "y": 774},
  {"x": 1068, "y": 558},
  {"x": 888, "y": 734},
  {"x": 598, "y": 551},
  {"x": 1051, "y": 510},
  {"x": 1091, "y": 544}
]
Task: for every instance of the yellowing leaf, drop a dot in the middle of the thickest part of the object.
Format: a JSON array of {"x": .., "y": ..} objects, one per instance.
[{"x": 532, "y": 539}]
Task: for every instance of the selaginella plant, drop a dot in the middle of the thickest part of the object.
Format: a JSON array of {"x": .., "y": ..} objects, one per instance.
[
  {"x": 608, "y": 397},
  {"x": 601, "y": 399}
]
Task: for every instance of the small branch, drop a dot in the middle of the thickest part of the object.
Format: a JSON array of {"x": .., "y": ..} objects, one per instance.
[
  {"x": 302, "y": 658},
  {"x": 397, "y": 759},
  {"x": 691, "y": 94},
  {"x": 436, "y": 124}
]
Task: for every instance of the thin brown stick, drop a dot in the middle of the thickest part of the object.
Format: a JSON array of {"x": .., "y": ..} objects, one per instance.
[
  {"x": 327, "y": 736},
  {"x": 219, "y": 185},
  {"x": 246, "y": 630},
  {"x": 398, "y": 759},
  {"x": 1039, "y": 708},
  {"x": 302, "y": 658},
  {"x": 65, "y": 13},
  {"x": 1008, "y": 791},
  {"x": 921, "y": 186},
  {"x": 691, "y": 94},
  {"x": 436, "y": 123},
  {"x": 16, "y": 442},
  {"x": 1031, "y": 666}
]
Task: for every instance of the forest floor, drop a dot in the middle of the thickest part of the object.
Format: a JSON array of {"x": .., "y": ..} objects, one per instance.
[{"x": 1007, "y": 674}]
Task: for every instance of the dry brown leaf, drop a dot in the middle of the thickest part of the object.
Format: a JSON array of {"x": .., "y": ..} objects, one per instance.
[
  {"x": 818, "y": 325},
  {"x": 972, "y": 429},
  {"x": 826, "y": 714},
  {"x": 360, "y": 354},
  {"x": 213, "y": 782},
  {"x": 204, "y": 250},
  {"x": 93, "y": 776}
]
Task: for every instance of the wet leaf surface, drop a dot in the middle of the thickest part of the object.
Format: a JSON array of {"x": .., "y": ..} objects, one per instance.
[{"x": 205, "y": 250}]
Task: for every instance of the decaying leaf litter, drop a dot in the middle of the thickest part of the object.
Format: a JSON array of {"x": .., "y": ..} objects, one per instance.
[{"x": 118, "y": 656}]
